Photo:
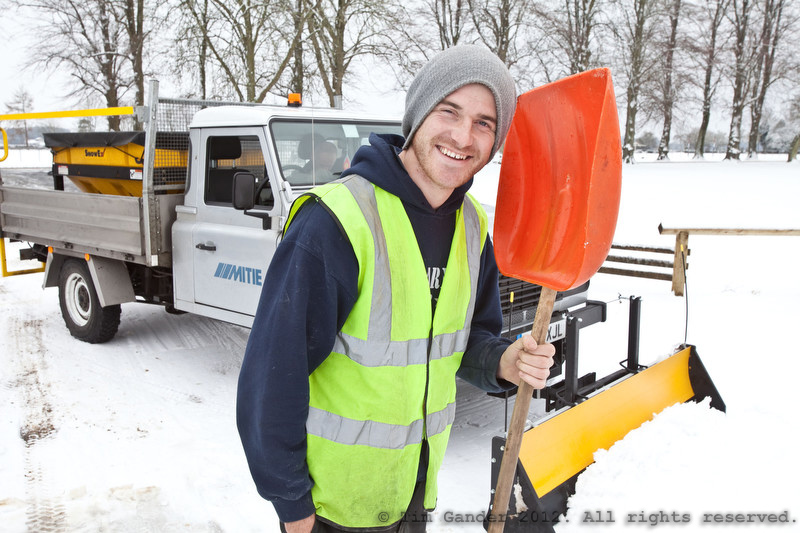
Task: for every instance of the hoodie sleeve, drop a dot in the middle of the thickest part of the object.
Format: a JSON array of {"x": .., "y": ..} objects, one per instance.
[
  {"x": 308, "y": 291},
  {"x": 485, "y": 345}
]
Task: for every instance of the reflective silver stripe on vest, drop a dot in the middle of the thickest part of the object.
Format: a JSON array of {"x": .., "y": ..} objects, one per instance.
[
  {"x": 376, "y": 434},
  {"x": 472, "y": 227},
  {"x": 379, "y": 349},
  {"x": 362, "y": 432},
  {"x": 439, "y": 421},
  {"x": 400, "y": 353},
  {"x": 380, "y": 316},
  {"x": 387, "y": 353}
]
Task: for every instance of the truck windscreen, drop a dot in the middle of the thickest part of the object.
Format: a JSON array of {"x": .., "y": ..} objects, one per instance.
[{"x": 315, "y": 152}]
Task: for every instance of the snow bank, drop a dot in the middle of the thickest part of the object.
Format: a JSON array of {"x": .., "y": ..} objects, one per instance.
[{"x": 27, "y": 158}]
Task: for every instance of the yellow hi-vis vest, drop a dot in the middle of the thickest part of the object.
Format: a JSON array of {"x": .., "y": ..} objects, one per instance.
[{"x": 389, "y": 382}]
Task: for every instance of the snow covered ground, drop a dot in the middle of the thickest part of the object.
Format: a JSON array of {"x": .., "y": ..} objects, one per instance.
[{"x": 139, "y": 434}]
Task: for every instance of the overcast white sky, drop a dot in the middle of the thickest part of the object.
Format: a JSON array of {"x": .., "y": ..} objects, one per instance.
[{"x": 48, "y": 90}]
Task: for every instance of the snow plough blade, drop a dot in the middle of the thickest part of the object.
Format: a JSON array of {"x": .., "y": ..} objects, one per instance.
[{"x": 556, "y": 450}]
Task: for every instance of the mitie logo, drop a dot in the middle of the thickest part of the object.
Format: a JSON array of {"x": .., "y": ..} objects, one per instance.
[
  {"x": 238, "y": 273},
  {"x": 95, "y": 153}
]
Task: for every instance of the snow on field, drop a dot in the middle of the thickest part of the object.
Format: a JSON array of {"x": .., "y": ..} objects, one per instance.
[{"x": 139, "y": 435}]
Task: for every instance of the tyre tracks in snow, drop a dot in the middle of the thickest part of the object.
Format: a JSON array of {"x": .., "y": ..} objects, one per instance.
[{"x": 44, "y": 508}]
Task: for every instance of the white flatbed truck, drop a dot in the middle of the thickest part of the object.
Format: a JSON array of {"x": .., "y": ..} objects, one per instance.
[{"x": 159, "y": 225}]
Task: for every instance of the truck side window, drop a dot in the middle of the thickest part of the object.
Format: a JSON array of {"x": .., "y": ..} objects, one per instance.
[{"x": 227, "y": 155}]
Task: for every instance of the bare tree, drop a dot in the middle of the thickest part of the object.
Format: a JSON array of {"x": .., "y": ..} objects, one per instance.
[
  {"x": 297, "y": 66},
  {"x": 500, "y": 25},
  {"x": 342, "y": 30},
  {"x": 133, "y": 20},
  {"x": 132, "y": 15},
  {"x": 569, "y": 25},
  {"x": 707, "y": 17},
  {"x": 411, "y": 41},
  {"x": 86, "y": 39},
  {"x": 742, "y": 10},
  {"x": 191, "y": 52},
  {"x": 249, "y": 43},
  {"x": 668, "y": 87},
  {"x": 451, "y": 17},
  {"x": 635, "y": 34},
  {"x": 22, "y": 102},
  {"x": 772, "y": 31}
]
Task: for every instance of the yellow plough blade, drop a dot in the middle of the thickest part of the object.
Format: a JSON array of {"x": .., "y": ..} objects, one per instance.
[
  {"x": 555, "y": 451},
  {"x": 574, "y": 434}
]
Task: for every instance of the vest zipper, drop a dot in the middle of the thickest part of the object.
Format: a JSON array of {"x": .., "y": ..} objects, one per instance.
[
  {"x": 427, "y": 383},
  {"x": 424, "y": 448}
]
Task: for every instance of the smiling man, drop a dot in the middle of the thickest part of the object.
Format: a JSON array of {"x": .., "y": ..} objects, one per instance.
[
  {"x": 453, "y": 143},
  {"x": 383, "y": 290}
]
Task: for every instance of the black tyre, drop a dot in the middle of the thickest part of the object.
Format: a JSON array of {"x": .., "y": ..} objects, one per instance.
[{"x": 85, "y": 318}]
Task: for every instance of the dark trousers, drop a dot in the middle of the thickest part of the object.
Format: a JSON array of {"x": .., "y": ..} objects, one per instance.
[{"x": 415, "y": 519}]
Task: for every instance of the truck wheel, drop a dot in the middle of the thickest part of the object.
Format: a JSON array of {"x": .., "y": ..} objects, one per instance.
[{"x": 85, "y": 318}]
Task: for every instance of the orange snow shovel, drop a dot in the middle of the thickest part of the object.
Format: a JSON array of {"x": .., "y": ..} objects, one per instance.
[{"x": 556, "y": 211}]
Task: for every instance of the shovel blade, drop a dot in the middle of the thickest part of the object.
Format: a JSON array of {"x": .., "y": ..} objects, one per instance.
[{"x": 560, "y": 180}]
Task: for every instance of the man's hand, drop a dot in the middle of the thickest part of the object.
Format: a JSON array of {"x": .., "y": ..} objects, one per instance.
[
  {"x": 525, "y": 360},
  {"x": 301, "y": 526}
]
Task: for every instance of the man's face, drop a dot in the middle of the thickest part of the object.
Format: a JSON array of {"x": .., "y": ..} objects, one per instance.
[
  {"x": 454, "y": 141},
  {"x": 325, "y": 156}
]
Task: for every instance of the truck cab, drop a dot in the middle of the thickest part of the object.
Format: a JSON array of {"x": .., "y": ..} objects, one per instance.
[{"x": 220, "y": 253}]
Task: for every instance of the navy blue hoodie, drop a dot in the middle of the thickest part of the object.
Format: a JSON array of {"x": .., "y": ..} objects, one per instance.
[{"x": 309, "y": 290}]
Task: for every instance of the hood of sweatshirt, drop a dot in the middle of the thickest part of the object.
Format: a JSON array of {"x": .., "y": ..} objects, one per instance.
[{"x": 380, "y": 164}]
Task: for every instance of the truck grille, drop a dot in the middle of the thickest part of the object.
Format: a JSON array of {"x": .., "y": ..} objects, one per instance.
[
  {"x": 520, "y": 313},
  {"x": 518, "y": 316}
]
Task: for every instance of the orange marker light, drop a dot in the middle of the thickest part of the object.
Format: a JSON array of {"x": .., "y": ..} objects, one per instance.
[{"x": 294, "y": 100}]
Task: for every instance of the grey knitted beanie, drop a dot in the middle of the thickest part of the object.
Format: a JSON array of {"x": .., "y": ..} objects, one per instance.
[{"x": 452, "y": 69}]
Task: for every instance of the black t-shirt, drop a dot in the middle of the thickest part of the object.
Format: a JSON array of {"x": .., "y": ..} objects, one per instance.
[{"x": 432, "y": 230}]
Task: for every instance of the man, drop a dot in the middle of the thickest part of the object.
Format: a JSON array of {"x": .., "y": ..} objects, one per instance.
[
  {"x": 320, "y": 165},
  {"x": 382, "y": 290}
]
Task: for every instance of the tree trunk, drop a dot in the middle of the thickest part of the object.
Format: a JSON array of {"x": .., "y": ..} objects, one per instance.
[
  {"x": 297, "y": 83},
  {"x": 113, "y": 101},
  {"x": 629, "y": 142},
  {"x": 580, "y": 20},
  {"x": 699, "y": 148},
  {"x": 741, "y": 10},
  {"x": 107, "y": 62},
  {"x": 669, "y": 96},
  {"x": 134, "y": 24},
  {"x": 637, "y": 45},
  {"x": 202, "y": 58},
  {"x": 708, "y": 84},
  {"x": 770, "y": 38},
  {"x": 338, "y": 68},
  {"x": 794, "y": 147}
]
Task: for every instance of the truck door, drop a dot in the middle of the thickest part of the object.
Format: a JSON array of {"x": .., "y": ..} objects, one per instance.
[{"x": 231, "y": 250}]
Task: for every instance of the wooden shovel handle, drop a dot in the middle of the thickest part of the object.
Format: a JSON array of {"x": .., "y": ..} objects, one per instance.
[{"x": 508, "y": 465}]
